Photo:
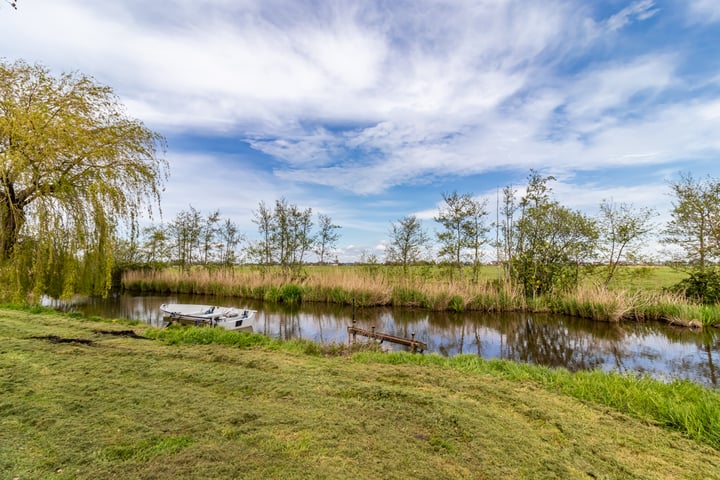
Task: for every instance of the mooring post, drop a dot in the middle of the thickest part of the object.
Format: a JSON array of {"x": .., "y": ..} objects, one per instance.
[
  {"x": 352, "y": 332},
  {"x": 413, "y": 344}
]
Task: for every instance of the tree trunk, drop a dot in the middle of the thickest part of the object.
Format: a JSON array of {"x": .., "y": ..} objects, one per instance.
[{"x": 10, "y": 223}]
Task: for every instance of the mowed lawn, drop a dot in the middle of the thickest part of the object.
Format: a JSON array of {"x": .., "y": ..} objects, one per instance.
[{"x": 86, "y": 399}]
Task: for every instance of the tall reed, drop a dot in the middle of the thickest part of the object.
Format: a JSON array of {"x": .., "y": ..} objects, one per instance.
[{"x": 424, "y": 288}]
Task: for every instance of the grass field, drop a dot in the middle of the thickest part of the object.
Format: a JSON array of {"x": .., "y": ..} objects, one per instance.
[{"x": 88, "y": 400}]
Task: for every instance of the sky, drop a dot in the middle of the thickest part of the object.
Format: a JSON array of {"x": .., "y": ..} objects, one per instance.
[{"x": 369, "y": 111}]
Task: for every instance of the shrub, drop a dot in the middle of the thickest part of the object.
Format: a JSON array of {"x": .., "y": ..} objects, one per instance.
[{"x": 701, "y": 285}]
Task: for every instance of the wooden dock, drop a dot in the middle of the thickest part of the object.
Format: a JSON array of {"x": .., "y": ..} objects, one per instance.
[{"x": 415, "y": 345}]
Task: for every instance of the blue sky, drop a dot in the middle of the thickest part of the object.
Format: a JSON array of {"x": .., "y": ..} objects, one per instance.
[{"x": 367, "y": 111}]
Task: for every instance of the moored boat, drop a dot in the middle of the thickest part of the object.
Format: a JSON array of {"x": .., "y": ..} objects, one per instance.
[{"x": 229, "y": 318}]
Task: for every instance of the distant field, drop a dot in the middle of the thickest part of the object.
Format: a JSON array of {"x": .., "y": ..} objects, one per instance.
[{"x": 642, "y": 278}]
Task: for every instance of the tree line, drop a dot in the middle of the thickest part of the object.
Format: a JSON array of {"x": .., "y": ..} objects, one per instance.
[
  {"x": 543, "y": 246},
  {"x": 287, "y": 236},
  {"x": 539, "y": 245}
]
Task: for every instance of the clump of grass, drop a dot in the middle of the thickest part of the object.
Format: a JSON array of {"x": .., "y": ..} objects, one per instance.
[
  {"x": 594, "y": 302},
  {"x": 409, "y": 297},
  {"x": 144, "y": 450},
  {"x": 456, "y": 303},
  {"x": 709, "y": 314},
  {"x": 272, "y": 295},
  {"x": 291, "y": 294},
  {"x": 680, "y": 405},
  {"x": 188, "y": 335}
]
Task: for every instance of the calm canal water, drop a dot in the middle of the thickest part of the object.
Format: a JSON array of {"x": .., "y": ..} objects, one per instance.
[{"x": 653, "y": 349}]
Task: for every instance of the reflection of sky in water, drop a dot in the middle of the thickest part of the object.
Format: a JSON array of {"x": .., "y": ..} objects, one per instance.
[{"x": 654, "y": 349}]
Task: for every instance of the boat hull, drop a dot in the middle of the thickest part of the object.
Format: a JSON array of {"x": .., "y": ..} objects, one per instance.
[{"x": 229, "y": 318}]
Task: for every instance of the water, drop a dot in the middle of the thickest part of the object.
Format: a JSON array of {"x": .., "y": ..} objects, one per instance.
[{"x": 654, "y": 349}]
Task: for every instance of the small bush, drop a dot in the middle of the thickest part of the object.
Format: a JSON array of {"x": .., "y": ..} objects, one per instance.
[{"x": 701, "y": 285}]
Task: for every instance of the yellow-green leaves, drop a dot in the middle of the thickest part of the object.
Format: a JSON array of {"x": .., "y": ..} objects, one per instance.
[{"x": 72, "y": 166}]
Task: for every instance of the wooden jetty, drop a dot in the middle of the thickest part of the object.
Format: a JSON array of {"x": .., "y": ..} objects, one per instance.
[{"x": 415, "y": 345}]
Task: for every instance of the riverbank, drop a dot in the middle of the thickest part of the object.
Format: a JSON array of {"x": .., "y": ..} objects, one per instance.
[
  {"x": 92, "y": 399},
  {"x": 641, "y": 296}
]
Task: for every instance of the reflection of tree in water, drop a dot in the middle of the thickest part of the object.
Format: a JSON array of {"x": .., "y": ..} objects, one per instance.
[
  {"x": 708, "y": 344},
  {"x": 287, "y": 322},
  {"x": 534, "y": 338},
  {"x": 711, "y": 341},
  {"x": 546, "y": 343}
]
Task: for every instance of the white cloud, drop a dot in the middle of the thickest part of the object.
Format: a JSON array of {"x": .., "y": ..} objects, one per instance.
[
  {"x": 613, "y": 86},
  {"x": 704, "y": 11},
  {"x": 640, "y": 10}
]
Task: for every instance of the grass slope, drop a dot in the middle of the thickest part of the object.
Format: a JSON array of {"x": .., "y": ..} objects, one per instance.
[{"x": 82, "y": 399}]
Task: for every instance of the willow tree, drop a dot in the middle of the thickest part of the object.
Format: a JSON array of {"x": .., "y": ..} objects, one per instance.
[{"x": 73, "y": 167}]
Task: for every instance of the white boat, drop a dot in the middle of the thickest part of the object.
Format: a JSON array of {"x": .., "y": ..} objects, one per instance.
[{"x": 229, "y": 318}]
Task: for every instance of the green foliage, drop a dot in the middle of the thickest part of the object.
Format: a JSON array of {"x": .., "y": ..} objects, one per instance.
[
  {"x": 288, "y": 293},
  {"x": 286, "y": 235},
  {"x": 272, "y": 295},
  {"x": 409, "y": 297},
  {"x": 291, "y": 293},
  {"x": 73, "y": 167},
  {"x": 184, "y": 335},
  {"x": 456, "y": 303},
  {"x": 407, "y": 241},
  {"x": 327, "y": 237},
  {"x": 622, "y": 227},
  {"x": 550, "y": 241},
  {"x": 693, "y": 226},
  {"x": 701, "y": 285},
  {"x": 463, "y": 234}
]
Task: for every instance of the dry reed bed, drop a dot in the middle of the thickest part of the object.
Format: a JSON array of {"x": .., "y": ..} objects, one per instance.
[{"x": 386, "y": 287}]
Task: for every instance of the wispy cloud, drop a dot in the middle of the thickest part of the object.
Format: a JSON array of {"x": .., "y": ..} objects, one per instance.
[{"x": 637, "y": 11}]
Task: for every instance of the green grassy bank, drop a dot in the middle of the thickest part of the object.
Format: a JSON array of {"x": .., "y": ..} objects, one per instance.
[{"x": 91, "y": 399}]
